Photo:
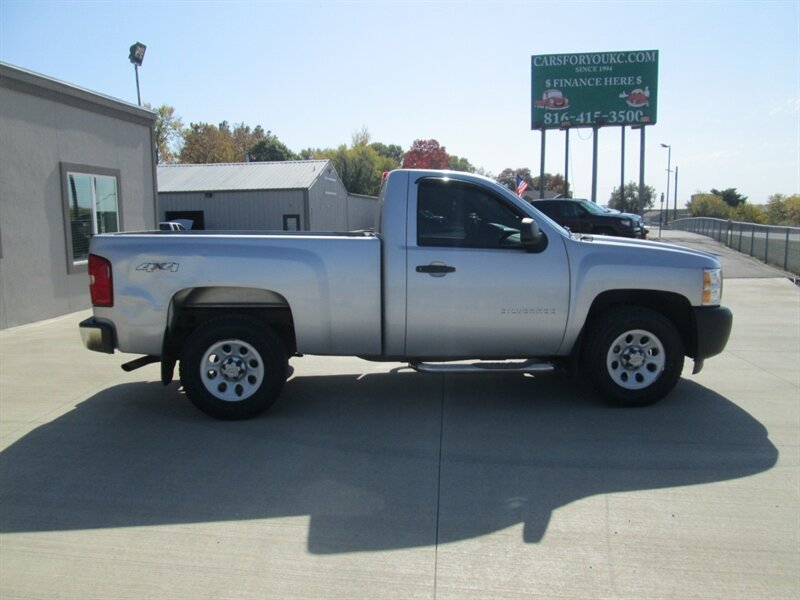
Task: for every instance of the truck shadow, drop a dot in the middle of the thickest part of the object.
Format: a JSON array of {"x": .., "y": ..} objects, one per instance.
[{"x": 377, "y": 462}]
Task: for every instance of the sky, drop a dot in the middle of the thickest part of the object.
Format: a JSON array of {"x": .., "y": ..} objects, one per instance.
[{"x": 315, "y": 73}]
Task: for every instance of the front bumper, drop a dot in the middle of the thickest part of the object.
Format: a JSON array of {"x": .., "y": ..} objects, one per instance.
[
  {"x": 97, "y": 335},
  {"x": 713, "y": 328}
]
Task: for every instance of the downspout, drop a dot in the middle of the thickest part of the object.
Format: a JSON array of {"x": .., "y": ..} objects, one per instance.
[
  {"x": 154, "y": 166},
  {"x": 307, "y": 211}
]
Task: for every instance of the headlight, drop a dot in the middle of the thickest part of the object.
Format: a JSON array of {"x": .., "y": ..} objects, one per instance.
[{"x": 712, "y": 287}]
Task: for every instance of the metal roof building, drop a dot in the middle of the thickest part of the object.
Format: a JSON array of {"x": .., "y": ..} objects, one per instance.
[{"x": 285, "y": 196}]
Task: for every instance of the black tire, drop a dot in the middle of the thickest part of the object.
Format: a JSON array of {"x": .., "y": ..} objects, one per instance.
[
  {"x": 633, "y": 356},
  {"x": 233, "y": 367}
]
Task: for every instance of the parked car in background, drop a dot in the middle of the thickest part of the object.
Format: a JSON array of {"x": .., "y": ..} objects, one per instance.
[
  {"x": 171, "y": 226},
  {"x": 634, "y": 216},
  {"x": 583, "y": 216}
]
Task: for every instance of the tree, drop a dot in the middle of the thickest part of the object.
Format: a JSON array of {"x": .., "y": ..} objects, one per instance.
[
  {"x": 776, "y": 209},
  {"x": 508, "y": 177},
  {"x": 553, "y": 183},
  {"x": 749, "y": 213},
  {"x": 245, "y": 139},
  {"x": 457, "y": 163},
  {"x": 315, "y": 153},
  {"x": 392, "y": 151},
  {"x": 168, "y": 132},
  {"x": 360, "y": 137},
  {"x": 629, "y": 201},
  {"x": 361, "y": 168},
  {"x": 426, "y": 154},
  {"x": 730, "y": 196},
  {"x": 271, "y": 149},
  {"x": 709, "y": 205},
  {"x": 205, "y": 143},
  {"x": 793, "y": 210},
  {"x": 783, "y": 210}
]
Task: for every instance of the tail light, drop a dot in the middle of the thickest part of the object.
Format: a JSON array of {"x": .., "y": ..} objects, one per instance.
[{"x": 101, "y": 284}]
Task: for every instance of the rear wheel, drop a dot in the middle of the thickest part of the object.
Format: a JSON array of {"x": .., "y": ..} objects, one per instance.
[
  {"x": 633, "y": 356},
  {"x": 233, "y": 367}
]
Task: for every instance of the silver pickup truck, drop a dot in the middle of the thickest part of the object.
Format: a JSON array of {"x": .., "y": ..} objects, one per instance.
[{"x": 459, "y": 275}]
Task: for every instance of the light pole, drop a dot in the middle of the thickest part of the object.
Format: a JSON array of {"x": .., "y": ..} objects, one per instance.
[
  {"x": 675, "y": 192},
  {"x": 669, "y": 170},
  {"x": 136, "y": 57}
]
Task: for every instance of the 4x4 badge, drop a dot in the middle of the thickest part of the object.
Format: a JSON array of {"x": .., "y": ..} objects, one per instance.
[{"x": 154, "y": 266}]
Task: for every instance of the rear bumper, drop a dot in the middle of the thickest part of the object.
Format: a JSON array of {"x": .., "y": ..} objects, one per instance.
[
  {"x": 714, "y": 325},
  {"x": 97, "y": 335}
]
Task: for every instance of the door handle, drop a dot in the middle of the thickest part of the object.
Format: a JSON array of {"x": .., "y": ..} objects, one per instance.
[{"x": 435, "y": 269}]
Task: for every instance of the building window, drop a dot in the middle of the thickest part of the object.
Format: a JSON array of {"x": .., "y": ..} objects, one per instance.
[{"x": 91, "y": 206}]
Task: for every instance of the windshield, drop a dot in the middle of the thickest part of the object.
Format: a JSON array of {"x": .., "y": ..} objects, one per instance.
[{"x": 592, "y": 207}]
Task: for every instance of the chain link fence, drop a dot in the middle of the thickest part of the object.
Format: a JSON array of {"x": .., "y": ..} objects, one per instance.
[{"x": 775, "y": 245}]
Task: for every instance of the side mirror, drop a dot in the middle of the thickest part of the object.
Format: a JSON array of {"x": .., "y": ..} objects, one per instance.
[{"x": 533, "y": 240}]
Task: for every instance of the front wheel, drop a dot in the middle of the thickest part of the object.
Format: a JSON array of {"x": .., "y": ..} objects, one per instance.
[
  {"x": 633, "y": 356},
  {"x": 233, "y": 367}
]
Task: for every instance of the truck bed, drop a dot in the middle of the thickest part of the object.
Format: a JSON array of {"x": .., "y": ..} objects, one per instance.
[{"x": 331, "y": 281}]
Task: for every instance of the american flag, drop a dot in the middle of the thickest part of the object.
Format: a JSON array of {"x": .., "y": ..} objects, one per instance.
[{"x": 522, "y": 185}]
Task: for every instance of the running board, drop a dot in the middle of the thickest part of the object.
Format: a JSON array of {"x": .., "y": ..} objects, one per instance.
[{"x": 526, "y": 366}]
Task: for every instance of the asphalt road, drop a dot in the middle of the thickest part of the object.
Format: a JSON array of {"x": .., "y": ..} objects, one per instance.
[{"x": 369, "y": 481}]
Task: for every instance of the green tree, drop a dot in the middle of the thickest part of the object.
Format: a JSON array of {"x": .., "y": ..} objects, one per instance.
[
  {"x": 458, "y": 163},
  {"x": 392, "y": 151},
  {"x": 244, "y": 139},
  {"x": 206, "y": 143},
  {"x": 730, "y": 196},
  {"x": 793, "y": 210},
  {"x": 629, "y": 201},
  {"x": 776, "y": 209},
  {"x": 508, "y": 177},
  {"x": 553, "y": 183},
  {"x": 749, "y": 213},
  {"x": 709, "y": 205},
  {"x": 360, "y": 168},
  {"x": 316, "y": 153},
  {"x": 783, "y": 210},
  {"x": 168, "y": 132},
  {"x": 270, "y": 149}
]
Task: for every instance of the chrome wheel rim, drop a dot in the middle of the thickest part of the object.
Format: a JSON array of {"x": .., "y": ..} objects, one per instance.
[
  {"x": 232, "y": 370},
  {"x": 636, "y": 359}
]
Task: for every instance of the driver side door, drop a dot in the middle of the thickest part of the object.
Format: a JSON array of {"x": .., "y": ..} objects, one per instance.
[{"x": 472, "y": 289}]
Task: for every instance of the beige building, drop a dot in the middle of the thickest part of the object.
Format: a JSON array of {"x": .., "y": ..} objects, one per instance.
[{"x": 72, "y": 163}]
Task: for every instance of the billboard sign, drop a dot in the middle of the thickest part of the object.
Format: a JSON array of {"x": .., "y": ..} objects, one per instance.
[{"x": 594, "y": 89}]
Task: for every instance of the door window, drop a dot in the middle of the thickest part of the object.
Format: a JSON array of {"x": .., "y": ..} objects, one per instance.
[{"x": 455, "y": 213}]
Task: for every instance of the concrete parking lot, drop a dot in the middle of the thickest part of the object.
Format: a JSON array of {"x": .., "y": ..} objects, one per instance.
[{"x": 369, "y": 481}]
